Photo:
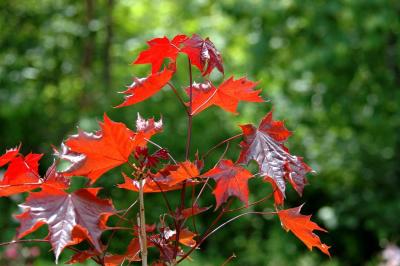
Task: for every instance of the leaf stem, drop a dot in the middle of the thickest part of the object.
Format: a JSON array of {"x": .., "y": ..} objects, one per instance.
[
  {"x": 187, "y": 154},
  {"x": 178, "y": 96},
  {"x": 227, "y": 205},
  {"x": 219, "y": 144}
]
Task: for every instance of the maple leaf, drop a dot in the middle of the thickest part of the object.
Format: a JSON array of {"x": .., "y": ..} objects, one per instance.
[
  {"x": 71, "y": 218},
  {"x": 302, "y": 228},
  {"x": 21, "y": 175},
  {"x": 160, "y": 49},
  {"x": 185, "y": 170},
  {"x": 92, "y": 155},
  {"x": 265, "y": 145},
  {"x": 203, "y": 54},
  {"x": 167, "y": 179},
  {"x": 189, "y": 212},
  {"x": 231, "y": 181},
  {"x": 132, "y": 254},
  {"x": 227, "y": 95},
  {"x": 9, "y": 155},
  {"x": 150, "y": 160},
  {"x": 143, "y": 88}
]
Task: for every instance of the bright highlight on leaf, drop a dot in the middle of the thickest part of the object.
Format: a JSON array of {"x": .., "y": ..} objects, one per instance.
[
  {"x": 71, "y": 218},
  {"x": 9, "y": 155},
  {"x": 265, "y": 145},
  {"x": 203, "y": 54}
]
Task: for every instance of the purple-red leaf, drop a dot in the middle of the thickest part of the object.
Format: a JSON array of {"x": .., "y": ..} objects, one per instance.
[
  {"x": 71, "y": 218},
  {"x": 265, "y": 145},
  {"x": 203, "y": 54}
]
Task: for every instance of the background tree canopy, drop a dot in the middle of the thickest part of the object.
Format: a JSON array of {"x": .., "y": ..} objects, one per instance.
[{"x": 330, "y": 68}]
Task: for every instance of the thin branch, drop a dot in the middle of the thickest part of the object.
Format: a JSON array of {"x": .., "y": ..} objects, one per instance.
[
  {"x": 160, "y": 147},
  {"x": 227, "y": 205},
  {"x": 178, "y": 96},
  {"x": 119, "y": 222},
  {"x": 219, "y": 144},
  {"x": 231, "y": 257},
  {"x": 23, "y": 241},
  {"x": 251, "y": 204},
  {"x": 204, "y": 103},
  {"x": 187, "y": 154},
  {"x": 231, "y": 220},
  {"x": 222, "y": 155}
]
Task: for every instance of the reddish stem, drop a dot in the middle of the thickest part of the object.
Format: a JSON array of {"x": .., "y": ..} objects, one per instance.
[
  {"x": 187, "y": 153},
  {"x": 209, "y": 229},
  {"x": 219, "y": 144}
]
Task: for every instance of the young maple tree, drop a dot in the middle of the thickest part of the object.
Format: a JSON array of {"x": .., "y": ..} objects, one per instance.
[{"x": 82, "y": 216}]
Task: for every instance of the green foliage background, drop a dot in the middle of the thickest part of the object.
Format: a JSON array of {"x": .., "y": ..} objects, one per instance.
[{"x": 330, "y": 68}]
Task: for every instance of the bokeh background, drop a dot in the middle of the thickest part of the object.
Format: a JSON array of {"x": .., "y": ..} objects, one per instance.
[{"x": 331, "y": 70}]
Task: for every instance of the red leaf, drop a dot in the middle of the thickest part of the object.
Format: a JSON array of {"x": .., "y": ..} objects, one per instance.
[
  {"x": 143, "y": 88},
  {"x": 21, "y": 175},
  {"x": 167, "y": 179},
  {"x": 9, "y": 155},
  {"x": 159, "y": 49},
  {"x": 203, "y": 54},
  {"x": 231, "y": 181},
  {"x": 92, "y": 155},
  {"x": 82, "y": 256},
  {"x": 71, "y": 218},
  {"x": 189, "y": 212},
  {"x": 150, "y": 186},
  {"x": 185, "y": 170},
  {"x": 302, "y": 228},
  {"x": 265, "y": 145},
  {"x": 226, "y": 96}
]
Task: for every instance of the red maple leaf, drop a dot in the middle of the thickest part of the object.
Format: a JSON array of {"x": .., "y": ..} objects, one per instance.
[
  {"x": 132, "y": 254},
  {"x": 92, "y": 155},
  {"x": 189, "y": 212},
  {"x": 265, "y": 145},
  {"x": 9, "y": 155},
  {"x": 21, "y": 175},
  {"x": 231, "y": 181},
  {"x": 71, "y": 218},
  {"x": 143, "y": 88},
  {"x": 203, "y": 54},
  {"x": 160, "y": 49},
  {"x": 167, "y": 179},
  {"x": 227, "y": 95},
  {"x": 302, "y": 228}
]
